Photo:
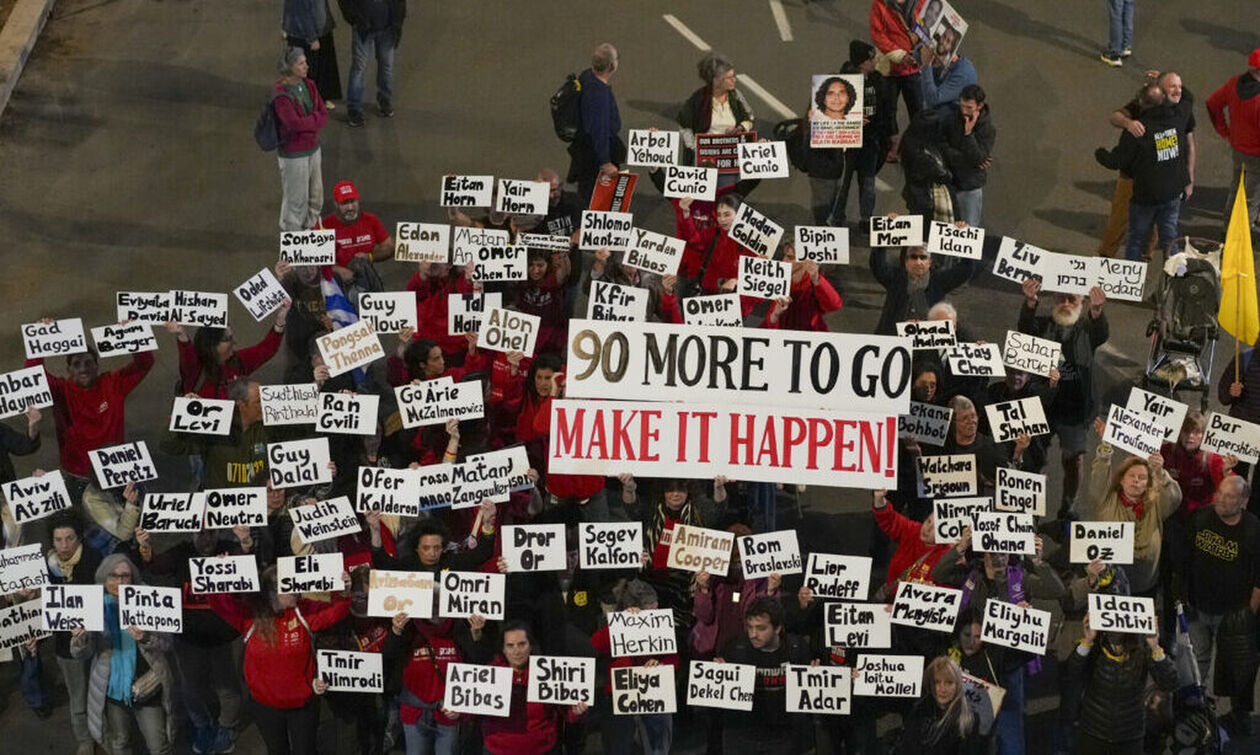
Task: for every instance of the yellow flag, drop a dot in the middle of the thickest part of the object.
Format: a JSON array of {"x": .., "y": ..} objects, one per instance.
[{"x": 1239, "y": 314}]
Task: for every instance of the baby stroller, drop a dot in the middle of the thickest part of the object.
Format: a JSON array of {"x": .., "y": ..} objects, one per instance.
[
  {"x": 1194, "y": 728},
  {"x": 1184, "y": 330}
]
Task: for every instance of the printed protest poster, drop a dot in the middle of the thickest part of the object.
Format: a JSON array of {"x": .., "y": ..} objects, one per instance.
[
  {"x": 262, "y": 294},
  {"x": 1003, "y": 532},
  {"x": 464, "y": 312},
  {"x": 226, "y": 508},
  {"x": 534, "y": 547},
  {"x": 947, "y": 476},
  {"x": 153, "y": 609},
  {"x": 54, "y": 339},
  {"x": 508, "y": 331},
  {"x": 954, "y": 241},
  {"x": 654, "y": 252},
  {"x": 347, "y": 413},
  {"x": 172, "y": 512},
  {"x": 561, "y": 680},
  {"x": 306, "y": 248},
  {"x": 755, "y": 232},
  {"x": 350, "y": 670},
  {"x": 770, "y": 553},
  {"x": 763, "y": 160},
  {"x": 115, "y": 466},
  {"x": 205, "y": 416},
  {"x": 422, "y": 242},
  {"x": 925, "y": 606},
  {"x": 22, "y": 567},
  {"x": 610, "y": 545},
  {"x": 952, "y": 515},
  {"x": 1031, "y": 354},
  {"x": 685, "y": 182},
  {"x": 609, "y": 301},
  {"x": 926, "y": 423},
  {"x": 1023, "y": 492},
  {"x": 611, "y": 230},
  {"x": 1228, "y": 435},
  {"x": 22, "y": 389},
  {"x": 903, "y": 230},
  {"x": 858, "y": 625},
  {"x": 143, "y": 306},
  {"x": 1018, "y": 261},
  {"x": 975, "y": 360},
  {"x": 350, "y": 347},
  {"x": 465, "y": 594},
  {"x": 1120, "y": 279},
  {"x": 720, "y": 310},
  {"x": 652, "y": 149},
  {"x": 985, "y": 699},
  {"x": 1016, "y": 627},
  {"x": 291, "y": 404},
  {"x": 1121, "y": 613},
  {"x": 199, "y": 308},
  {"x": 317, "y": 572},
  {"x": 817, "y": 689},
  {"x": 928, "y": 334},
  {"x": 20, "y": 623},
  {"x": 467, "y": 241},
  {"x": 888, "y": 676},
  {"x": 67, "y": 607},
  {"x": 500, "y": 264},
  {"x": 1109, "y": 542},
  {"x": 127, "y": 338},
  {"x": 393, "y": 592},
  {"x": 324, "y": 520},
  {"x": 32, "y": 498},
  {"x": 835, "y": 113},
  {"x": 522, "y": 197},
  {"x": 834, "y": 577},
  {"x": 433, "y": 402},
  {"x": 728, "y": 686},
  {"x": 700, "y": 549},
  {"x": 614, "y": 195},
  {"x": 721, "y": 151},
  {"x": 647, "y": 632},
  {"x": 299, "y": 462},
  {"x": 212, "y": 574},
  {"x": 388, "y": 312},
  {"x": 478, "y": 690},
  {"x": 1170, "y": 413},
  {"x": 466, "y": 191},
  {"x": 763, "y": 278},
  {"x": 1010, "y": 419},
  {"x": 389, "y": 491},
  {"x": 1139, "y": 433},
  {"x": 1069, "y": 273},
  {"x": 822, "y": 244},
  {"x": 638, "y": 690},
  {"x": 940, "y": 28}
]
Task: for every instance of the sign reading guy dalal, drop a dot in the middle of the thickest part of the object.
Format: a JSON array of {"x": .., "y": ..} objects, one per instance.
[{"x": 299, "y": 462}]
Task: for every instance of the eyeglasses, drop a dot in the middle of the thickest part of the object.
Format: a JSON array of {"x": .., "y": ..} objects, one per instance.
[{"x": 120, "y": 575}]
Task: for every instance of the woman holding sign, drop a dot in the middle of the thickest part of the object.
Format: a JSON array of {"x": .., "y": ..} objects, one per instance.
[
  {"x": 131, "y": 680},
  {"x": 942, "y": 722},
  {"x": 209, "y": 361},
  {"x": 812, "y": 297},
  {"x": 718, "y": 107},
  {"x": 531, "y": 728}
]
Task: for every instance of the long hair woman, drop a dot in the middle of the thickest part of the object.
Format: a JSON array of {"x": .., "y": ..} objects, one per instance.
[{"x": 942, "y": 722}]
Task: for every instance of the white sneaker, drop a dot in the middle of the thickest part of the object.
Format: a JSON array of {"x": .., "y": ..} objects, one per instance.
[{"x": 1116, "y": 62}]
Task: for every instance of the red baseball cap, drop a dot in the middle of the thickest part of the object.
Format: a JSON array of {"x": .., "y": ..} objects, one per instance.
[
  {"x": 344, "y": 191},
  {"x": 1254, "y": 60}
]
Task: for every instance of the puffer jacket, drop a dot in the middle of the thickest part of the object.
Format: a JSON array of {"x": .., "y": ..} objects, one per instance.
[
  {"x": 1236, "y": 654},
  {"x": 1112, "y": 707},
  {"x": 155, "y": 647}
]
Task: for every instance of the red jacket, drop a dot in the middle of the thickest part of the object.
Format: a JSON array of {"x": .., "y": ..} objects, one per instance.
[
  {"x": 279, "y": 675},
  {"x": 809, "y": 303},
  {"x": 564, "y": 485},
  {"x": 93, "y": 417},
  {"x": 603, "y": 646},
  {"x": 530, "y": 728},
  {"x": 1242, "y": 125},
  {"x": 432, "y": 309},
  {"x": 244, "y": 362},
  {"x": 904, "y": 532},
  {"x": 299, "y": 130},
  {"x": 1196, "y": 473},
  {"x": 889, "y": 32},
  {"x": 424, "y": 676}
]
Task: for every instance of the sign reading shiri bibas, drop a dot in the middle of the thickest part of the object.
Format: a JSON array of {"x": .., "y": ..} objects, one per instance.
[
  {"x": 669, "y": 362},
  {"x": 755, "y": 232},
  {"x": 888, "y": 676},
  {"x": 1016, "y": 627},
  {"x": 946, "y": 476},
  {"x": 1024, "y": 492},
  {"x": 925, "y": 606},
  {"x": 770, "y": 553},
  {"x": 858, "y": 625},
  {"x": 116, "y": 466},
  {"x": 926, "y": 423},
  {"x": 835, "y": 577},
  {"x": 1139, "y": 433},
  {"x": 701, "y": 441},
  {"x": 1011, "y": 419},
  {"x": 561, "y": 680}
]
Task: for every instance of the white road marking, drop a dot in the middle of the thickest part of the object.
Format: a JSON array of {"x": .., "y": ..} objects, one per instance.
[
  {"x": 766, "y": 97},
  {"x": 781, "y": 20},
  {"x": 688, "y": 34}
]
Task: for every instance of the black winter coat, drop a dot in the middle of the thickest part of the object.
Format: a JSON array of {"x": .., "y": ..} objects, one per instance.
[{"x": 1112, "y": 708}]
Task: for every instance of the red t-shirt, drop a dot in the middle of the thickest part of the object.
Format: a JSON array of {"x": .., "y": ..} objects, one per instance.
[{"x": 360, "y": 236}]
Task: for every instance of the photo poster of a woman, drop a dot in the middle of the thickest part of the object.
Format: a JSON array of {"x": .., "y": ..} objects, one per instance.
[{"x": 835, "y": 111}]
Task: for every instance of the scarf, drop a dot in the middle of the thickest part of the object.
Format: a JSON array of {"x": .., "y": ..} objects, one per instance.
[
  {"x": 1135, "y": 506},
  {"x": 67, "y": 566},
  {"x": 658, "y": 521},
  {"x": 122, "y": 661}
]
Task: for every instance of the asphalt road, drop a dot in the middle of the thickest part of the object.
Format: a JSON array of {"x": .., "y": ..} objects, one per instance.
[{"x": 128, "y": 162}]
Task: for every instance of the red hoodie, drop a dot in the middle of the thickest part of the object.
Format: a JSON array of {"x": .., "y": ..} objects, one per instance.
[
  {"x": 580, "y": 487},
  {"x": 432, "y": 650},
  {"x": 809, "y": 303},
  {"x": 530, "y": 728},
  {"x": 93, "y": 417},
  {"x": 904, "y": 532},
  {"x": 889, "y": 32},
  {"x": 432, "y": 309},
  {"x": 1242, "y": 126},
  {"x": 603, "y": 646},
  {"x": 243, "y": 362},
  {"x": 279, "y": 675}
]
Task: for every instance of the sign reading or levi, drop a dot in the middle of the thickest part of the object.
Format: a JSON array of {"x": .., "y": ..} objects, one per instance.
[
  {"x": 755, "y": 232},
  {"x": 199, "y": 308},
  {"x": 298, "y": 462},
  {"x": 611, "y": 230},
  {"x": 903, "y": 230},
  {"x": 697, "y": 441},
  {"x": 305, "y": 248},
  {"x": 115, "y": 466},
  {"x": 22, "y": 389},
  {"x": 685, "y": 182},
  {"x": 522, "y": 197},
  {"x": 206, "y": 416},
  {"x": 763, "y": 278},
  {"x": 350, "y": 347},
  {"x": 261, "y": 294},
  {"x": 508, "y": 331},
  {"x": 56, "y": 338},
  {"x": 466, "y": 191},
  {"x": 388, "y": 312}
]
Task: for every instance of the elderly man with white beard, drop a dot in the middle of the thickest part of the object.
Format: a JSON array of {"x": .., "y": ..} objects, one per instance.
[{"x": 1080, "y": 334}]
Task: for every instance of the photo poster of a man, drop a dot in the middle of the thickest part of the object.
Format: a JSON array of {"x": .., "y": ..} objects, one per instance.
[
  {"x": 835, "y": 111},
  {"x": 940, "y": 27}
]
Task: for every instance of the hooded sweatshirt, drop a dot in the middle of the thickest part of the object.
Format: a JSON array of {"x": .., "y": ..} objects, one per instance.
[{"x": 1239, "y": 97}]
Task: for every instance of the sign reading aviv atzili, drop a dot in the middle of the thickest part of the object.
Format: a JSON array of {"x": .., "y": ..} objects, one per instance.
[{"x": 32, "y": 498}]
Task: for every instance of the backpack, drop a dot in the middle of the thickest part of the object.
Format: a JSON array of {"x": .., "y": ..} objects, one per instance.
[
  {"x": 267, "y": 127},
  {"x": 566, "y": 113}
]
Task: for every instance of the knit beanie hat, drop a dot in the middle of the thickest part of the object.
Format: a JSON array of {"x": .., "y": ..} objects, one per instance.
[{"x": 860, "y": 52}]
